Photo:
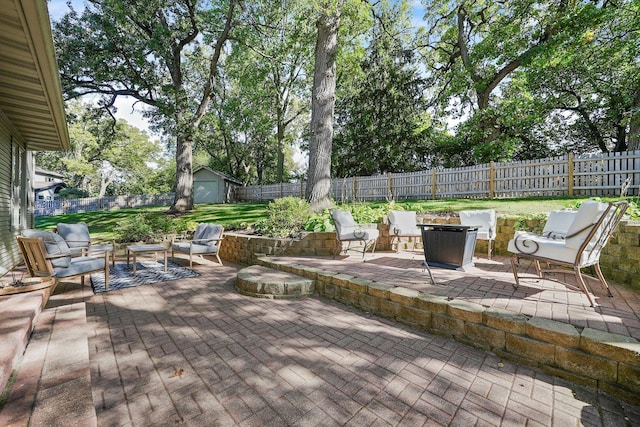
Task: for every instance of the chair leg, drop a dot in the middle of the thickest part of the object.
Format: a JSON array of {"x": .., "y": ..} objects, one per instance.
[
  {"x": 338, "y": 249},
  {"x": 219, "y": 260},
  {"x": 426, "y": 265},
  {"x": 538, "y": 269},
  {"x": 603, "y": 282},
  {"x": 489, "y": 250},
  {"x": 515, "y": 261},
  {"x": 365, "y": 244},
  {"x": 583, "y": 285}
]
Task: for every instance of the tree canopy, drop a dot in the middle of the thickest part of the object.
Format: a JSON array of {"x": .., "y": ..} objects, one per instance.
[
  {"x": 107, "y": 156},
  {"x": 471, "y": 81}
]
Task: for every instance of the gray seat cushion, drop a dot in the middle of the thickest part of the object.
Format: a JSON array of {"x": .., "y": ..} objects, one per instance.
[
  {"x": 197, "y": 249},
  {"x": 80, "y": 265},
  {"x": 361, "y": 234},
  {"x": 55, "y": 245}
]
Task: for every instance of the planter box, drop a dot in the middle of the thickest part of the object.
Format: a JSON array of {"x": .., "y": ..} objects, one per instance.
[{"x": 449, "y": 246}]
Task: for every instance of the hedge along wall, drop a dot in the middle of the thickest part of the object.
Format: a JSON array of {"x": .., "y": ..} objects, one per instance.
[{"x": 620, "y": 259}]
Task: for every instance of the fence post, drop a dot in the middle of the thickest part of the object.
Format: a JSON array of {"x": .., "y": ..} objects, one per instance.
[
  {"x": 433, "y": 183},
  {"x": 571, "y": 174},
  {"x": 492, "y": 180},
  {"x": 389, "y": 186},
  {"x": 355, "y": 189}
]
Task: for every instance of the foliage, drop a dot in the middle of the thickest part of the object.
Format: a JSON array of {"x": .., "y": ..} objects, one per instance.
[
  {"x": 163, "y": 54},
  {"x": 286, "y": 217},
  {"x": 532, "y": 223},
  {"x": 264, "y": 106},
  {"x": 144, "y": 227},
  {"x": 633, "y": 211},
  {"x": 382, "y": 106},
  {"x": 72, "y": 193},
  {"x": 106, "y": 156},
  {"x": 527, "y": 78},
  {"x": 320, "y": 222}
]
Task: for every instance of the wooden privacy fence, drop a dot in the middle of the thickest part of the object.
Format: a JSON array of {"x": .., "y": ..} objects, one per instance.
[
  {"x": 600, "y": 174},
  {"x": 585, "y": 175},
  {"x": 90, "y": 204}
]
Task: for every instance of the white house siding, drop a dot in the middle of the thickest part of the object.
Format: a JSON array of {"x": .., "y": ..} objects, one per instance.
[{"x": 9, "y": 229}]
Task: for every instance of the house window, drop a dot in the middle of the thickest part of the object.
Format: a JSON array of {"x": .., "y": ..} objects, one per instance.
[{"x": 18, "y": 185}]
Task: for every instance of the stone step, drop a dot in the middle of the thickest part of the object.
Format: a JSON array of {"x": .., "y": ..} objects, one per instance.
[
  {"x": 54, "y": 377},
  {"x": 263, "y": 282},
  {"x": 18, "y": 317}
]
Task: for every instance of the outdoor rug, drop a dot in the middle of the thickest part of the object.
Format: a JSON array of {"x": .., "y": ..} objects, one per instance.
[{"x": 147, "y": 272}]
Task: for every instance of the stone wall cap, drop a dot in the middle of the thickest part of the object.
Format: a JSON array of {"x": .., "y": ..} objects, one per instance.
[{"x": 553, "y": 326}]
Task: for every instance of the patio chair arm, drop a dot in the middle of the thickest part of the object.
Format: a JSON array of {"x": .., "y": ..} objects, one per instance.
[
  {"x": 49, "y": 256},
  {"x": 525, "y": 244},
  {"x": 217, "y": 239},
  {"x": 185, "y": 235},
  {"x": 579, "y": 231}
]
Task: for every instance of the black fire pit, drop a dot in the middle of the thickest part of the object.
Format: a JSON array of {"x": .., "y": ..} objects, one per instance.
[{"x": 449, "y": 245}]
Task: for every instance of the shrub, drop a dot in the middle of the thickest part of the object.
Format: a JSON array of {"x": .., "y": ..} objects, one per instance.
[
  {"x": 72, "y": 193},
  {"x": 533, "y": 223},
  {"x": 320, "y": 222},
  {"x": 365, "y": 214},
  {"x": 145, "y": 227},
  {"x": 286, "y": 217}
]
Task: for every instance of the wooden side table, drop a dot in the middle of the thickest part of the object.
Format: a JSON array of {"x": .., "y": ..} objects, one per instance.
[
  {"x": 29, "y": 284},
  {"x": 136, "y": 250}
]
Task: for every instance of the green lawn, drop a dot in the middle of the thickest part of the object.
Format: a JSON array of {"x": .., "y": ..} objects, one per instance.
[{"x": 240, "y": 215}]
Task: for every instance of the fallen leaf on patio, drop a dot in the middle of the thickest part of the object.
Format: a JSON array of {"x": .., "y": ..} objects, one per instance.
[
  {"x": 177, "y": 373},
  {"x": 500, "y": 365}
]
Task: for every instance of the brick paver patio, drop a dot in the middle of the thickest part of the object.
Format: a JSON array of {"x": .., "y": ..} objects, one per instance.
[{"x": 195, "y": 352}]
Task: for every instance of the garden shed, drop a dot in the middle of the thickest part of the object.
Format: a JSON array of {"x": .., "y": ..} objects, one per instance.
[{"x": 212, "y": 186}]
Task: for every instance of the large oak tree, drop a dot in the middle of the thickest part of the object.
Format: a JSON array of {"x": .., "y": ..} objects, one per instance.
[{"x": 163, "y": 53}]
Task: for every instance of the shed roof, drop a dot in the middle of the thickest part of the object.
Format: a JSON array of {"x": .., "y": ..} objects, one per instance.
[
  {"x": 218, "y": 173},
  {"x": 30, "y": 89}
]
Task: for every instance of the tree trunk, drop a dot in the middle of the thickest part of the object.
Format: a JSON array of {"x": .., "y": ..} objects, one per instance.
[
  {"x": 322, "y": 108},
  {"x": 280, "y": 145},
  {"x": 633, "y": 141},
  {"x": 105, "y": 180},
  {"x": 183, "y": 200}
]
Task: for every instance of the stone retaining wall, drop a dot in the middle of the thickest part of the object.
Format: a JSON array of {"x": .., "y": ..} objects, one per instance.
[
  {"x": 586, "y": 356},
  {"x": 620, "y": 259}
]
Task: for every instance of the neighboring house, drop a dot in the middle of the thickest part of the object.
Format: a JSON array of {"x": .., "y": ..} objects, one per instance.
[
  {"x": 32, "y": 116},
  {"x": 211, "y": 186},
  {"x": 47, "y": 184}
]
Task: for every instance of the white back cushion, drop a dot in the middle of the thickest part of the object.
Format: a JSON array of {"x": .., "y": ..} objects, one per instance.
[
  {"x": 558, "y": 224},
  {"x": 484, "y": 219},
  {"x": 588, "y": 213},
  {"x": 403, "y": 223},
  {"x": 343, "y": 221}
]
